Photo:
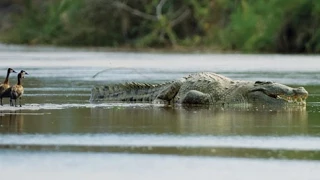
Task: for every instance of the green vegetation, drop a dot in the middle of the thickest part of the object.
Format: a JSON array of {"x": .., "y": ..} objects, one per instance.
[{"x": 284, "y": 26}]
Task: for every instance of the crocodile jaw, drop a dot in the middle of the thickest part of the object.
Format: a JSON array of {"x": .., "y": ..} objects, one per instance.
[{"x": 296, "y": 98}]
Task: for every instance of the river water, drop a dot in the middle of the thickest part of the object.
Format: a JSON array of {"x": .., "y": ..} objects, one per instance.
[{"x": 59, "y": 134}]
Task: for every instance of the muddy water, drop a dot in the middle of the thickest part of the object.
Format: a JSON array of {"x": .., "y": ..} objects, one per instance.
[{"x": 59, "y": 133}]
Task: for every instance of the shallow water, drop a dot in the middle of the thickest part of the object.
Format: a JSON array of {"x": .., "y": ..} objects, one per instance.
[{"x": 59, "y": 133}]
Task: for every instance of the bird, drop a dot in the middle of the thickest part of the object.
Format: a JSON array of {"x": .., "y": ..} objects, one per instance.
[
  {"x": 16, "y": 91},
  {"x": 5, "y": 85}
]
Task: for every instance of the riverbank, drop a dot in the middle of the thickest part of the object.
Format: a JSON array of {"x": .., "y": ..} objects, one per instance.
[{"x": 186, "y": 50}]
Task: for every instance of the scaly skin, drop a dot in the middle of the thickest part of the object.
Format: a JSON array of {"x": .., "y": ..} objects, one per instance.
[{"x": 203, "y": 88}]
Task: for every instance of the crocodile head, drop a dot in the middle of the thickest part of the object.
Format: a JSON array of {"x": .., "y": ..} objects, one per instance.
[{"x": 276, "y": 94}]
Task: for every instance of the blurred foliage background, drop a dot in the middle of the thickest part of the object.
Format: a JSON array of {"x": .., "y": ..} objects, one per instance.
[{"x": 270, "y": 26}]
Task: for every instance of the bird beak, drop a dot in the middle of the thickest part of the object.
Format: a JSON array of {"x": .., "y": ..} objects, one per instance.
[{"x": 14, "y": 71}]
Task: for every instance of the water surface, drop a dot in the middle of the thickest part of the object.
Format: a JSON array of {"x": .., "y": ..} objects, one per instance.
[{"x": 59, "y": 130}]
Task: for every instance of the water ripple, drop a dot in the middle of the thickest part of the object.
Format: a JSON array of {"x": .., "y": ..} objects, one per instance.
[{"x": 276, "y": 143}]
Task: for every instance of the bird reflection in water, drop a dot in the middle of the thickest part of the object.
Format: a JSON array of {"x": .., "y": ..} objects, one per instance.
[{"x": 11, "y": 122}]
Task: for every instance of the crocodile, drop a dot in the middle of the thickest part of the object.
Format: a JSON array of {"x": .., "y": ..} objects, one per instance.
[{"x": 205, "y": 88}]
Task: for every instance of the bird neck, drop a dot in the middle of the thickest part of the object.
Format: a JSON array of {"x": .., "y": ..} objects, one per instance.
[
  {"x": 19, "y": 80},
  {"x": 6, "y": 81}
]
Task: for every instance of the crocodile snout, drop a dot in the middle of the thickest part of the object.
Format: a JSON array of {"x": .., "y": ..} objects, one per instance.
[{"x": 300, "y": 91}]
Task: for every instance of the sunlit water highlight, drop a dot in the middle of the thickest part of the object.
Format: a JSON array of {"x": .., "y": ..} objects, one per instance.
[{"x": 143, "y": 167}]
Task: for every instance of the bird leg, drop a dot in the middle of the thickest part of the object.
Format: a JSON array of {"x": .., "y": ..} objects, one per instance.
[{"x": 11, "y": 103}]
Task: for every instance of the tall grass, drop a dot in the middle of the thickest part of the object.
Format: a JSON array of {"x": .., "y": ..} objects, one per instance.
[
  {"x": 273, "y": 26},
  {"x": 43, "y": 23}
]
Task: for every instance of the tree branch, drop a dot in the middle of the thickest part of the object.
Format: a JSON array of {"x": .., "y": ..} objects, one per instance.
[
  {"x": 159, "y": 8},
  {"x": 134, "y": 11},
  {"x": 178, "y": 12},
  {"x": 180, "y": 18}
]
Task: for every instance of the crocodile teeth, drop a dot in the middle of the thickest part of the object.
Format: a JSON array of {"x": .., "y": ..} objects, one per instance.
[{"x": 295, "y": 99}]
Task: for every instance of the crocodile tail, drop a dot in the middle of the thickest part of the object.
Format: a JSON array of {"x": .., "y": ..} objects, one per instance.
[{"x": 126, "y": 92}]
